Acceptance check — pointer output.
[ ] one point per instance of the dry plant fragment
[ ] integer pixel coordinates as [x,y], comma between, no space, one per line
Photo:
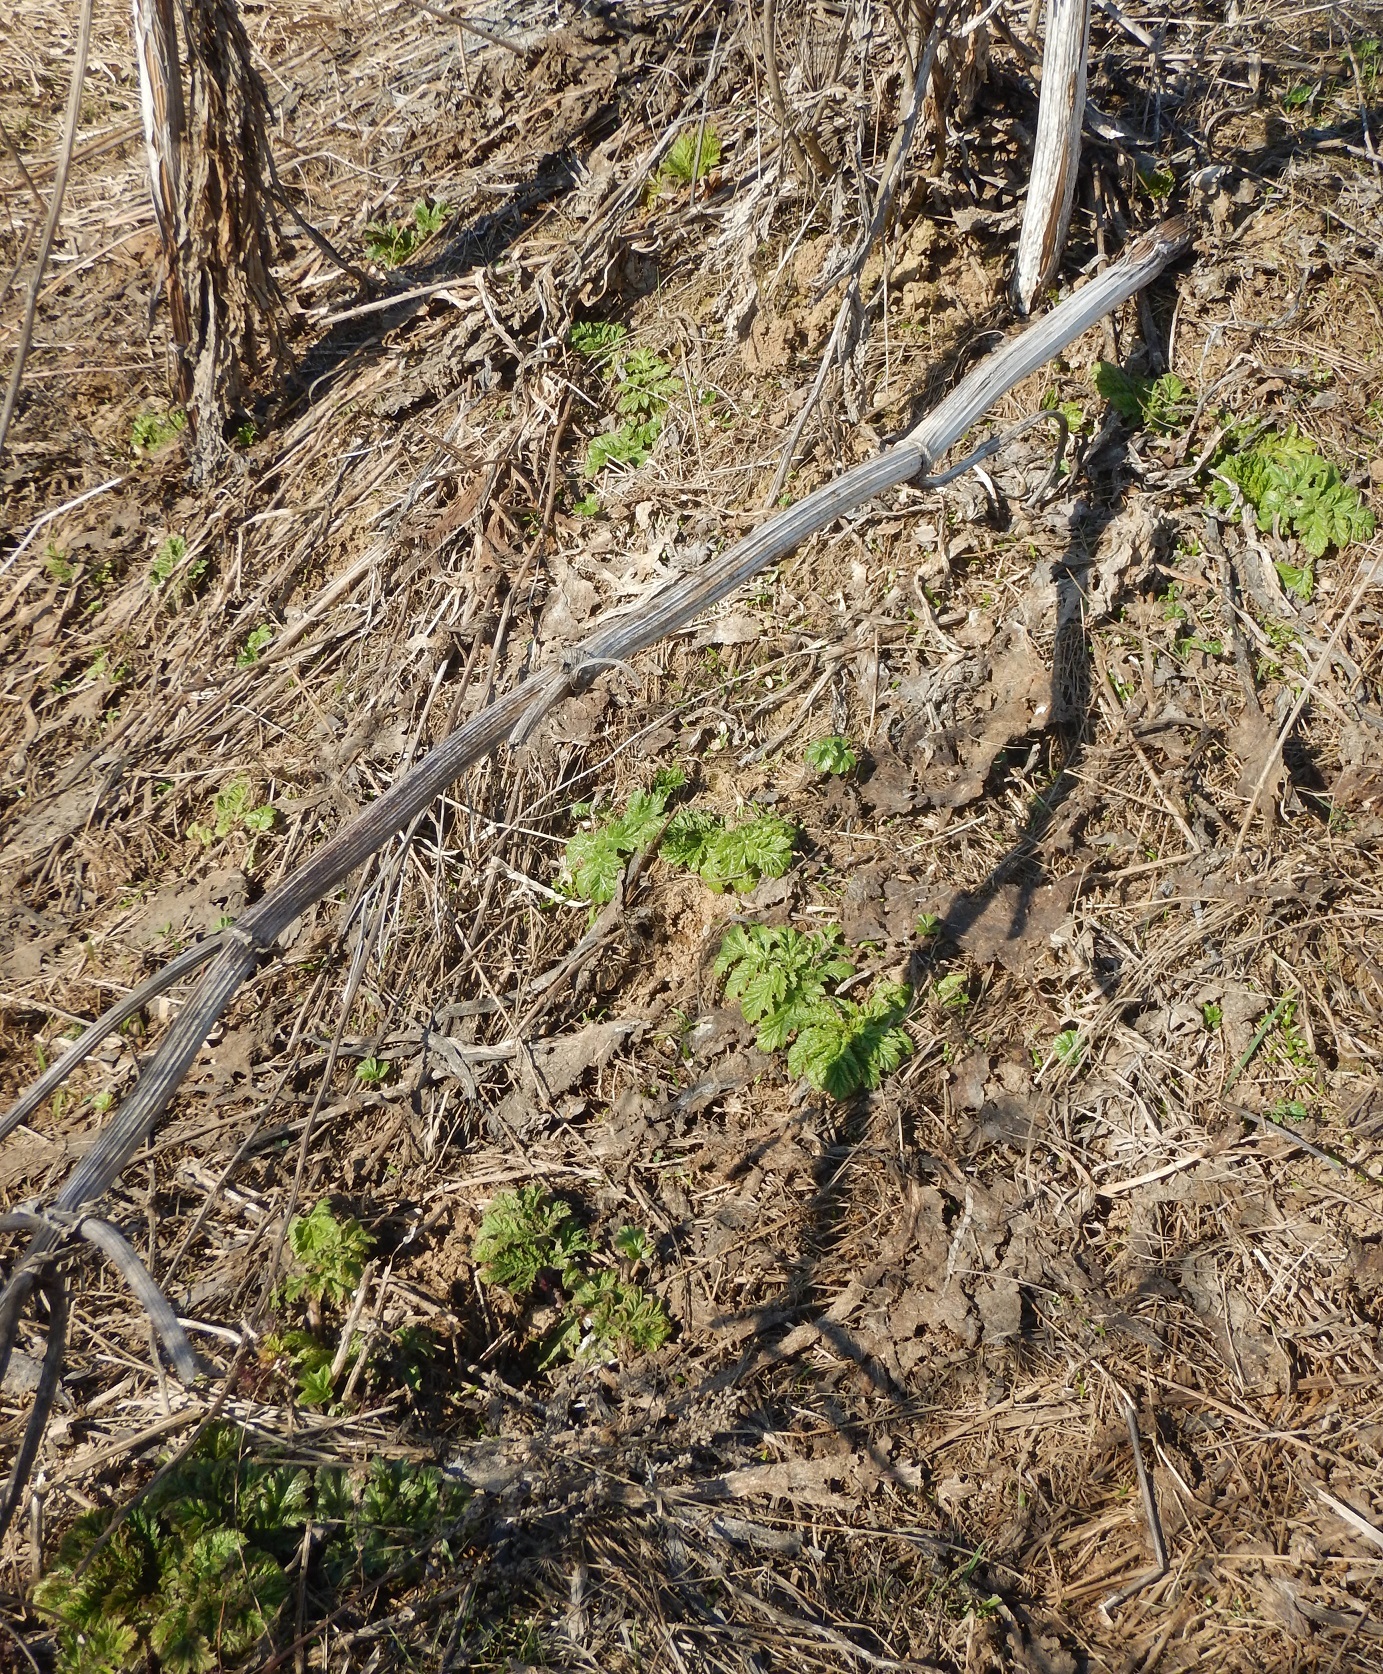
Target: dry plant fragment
[1056,151]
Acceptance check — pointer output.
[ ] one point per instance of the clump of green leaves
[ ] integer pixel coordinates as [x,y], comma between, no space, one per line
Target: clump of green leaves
[952,991]
[594,859]
[643,384]
[734,857]
[167,569]
[780,976]
[57,565]
[152,432]
[1293,489]
[851,1046]
[597,340]
[392,243]
[784,981]
[1160,404]
[525,1234]
[1071,411]
[724,856]
[256,641]
[329,1253]
[694,153]
[235,809]
[830,755]
[373,1071]
[630,445]
[196,1575]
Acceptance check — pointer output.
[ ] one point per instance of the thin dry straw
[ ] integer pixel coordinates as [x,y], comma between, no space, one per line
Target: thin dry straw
[514,713]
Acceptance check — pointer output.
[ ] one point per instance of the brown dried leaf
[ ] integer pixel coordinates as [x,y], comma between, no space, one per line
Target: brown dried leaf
[1014,926]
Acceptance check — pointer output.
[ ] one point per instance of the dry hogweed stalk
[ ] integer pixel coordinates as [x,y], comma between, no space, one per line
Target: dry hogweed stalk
[1056,152]
[227,309]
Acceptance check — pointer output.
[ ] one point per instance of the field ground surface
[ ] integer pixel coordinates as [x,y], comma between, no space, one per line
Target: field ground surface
[554,1310]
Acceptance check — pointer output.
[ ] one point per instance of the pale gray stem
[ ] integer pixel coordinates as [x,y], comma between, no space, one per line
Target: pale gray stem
[1056,152]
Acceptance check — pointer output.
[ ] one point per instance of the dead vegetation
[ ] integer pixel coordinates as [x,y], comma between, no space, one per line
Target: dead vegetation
[1114,817]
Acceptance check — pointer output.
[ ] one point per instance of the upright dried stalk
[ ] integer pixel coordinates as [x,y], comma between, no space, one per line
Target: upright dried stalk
[1056,154]
[234,306]
[209,176]
[161,105]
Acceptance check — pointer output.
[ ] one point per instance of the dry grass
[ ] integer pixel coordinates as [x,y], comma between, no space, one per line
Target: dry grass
[1142,1157]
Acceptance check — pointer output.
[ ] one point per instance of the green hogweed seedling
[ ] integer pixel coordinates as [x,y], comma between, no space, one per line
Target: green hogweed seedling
[783,980]
[1292,488]
[830,755]
[525,1234]
[330,1254]
[1161,404]
[688,158]
[780,976]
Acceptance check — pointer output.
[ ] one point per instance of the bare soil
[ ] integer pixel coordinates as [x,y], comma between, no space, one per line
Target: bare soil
[1121,1209]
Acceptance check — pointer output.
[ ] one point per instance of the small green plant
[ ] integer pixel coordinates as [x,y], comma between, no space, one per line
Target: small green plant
[597,340]
[56,565]
[1159,184]
[605,1314]
[255,643]
[629,445]
[588,505]
[691,155]
[928,925]
[329,1256]
[246,435]
[784,982]
[952,991]
[392,243]
[311,1361]
[196,1575]
[734,857]
[1297,98]
[169,555]
[235,809]
[852,1046]
[1160,404]
[1291,1042]
[1288,1110]
[644,386]
[594,859]
[1212,1015]
[1294,490]
[632,1244]
[168,561]
[1068,1048]
[780,976]
[152,432]
[373,1071]
[1071,411]
[525,1234]
[725,857]
[830,755]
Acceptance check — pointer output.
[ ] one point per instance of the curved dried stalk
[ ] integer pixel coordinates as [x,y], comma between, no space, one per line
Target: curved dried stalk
[54,1288]
[50,228]
[512,715]
[118,1250]
[1056,151]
